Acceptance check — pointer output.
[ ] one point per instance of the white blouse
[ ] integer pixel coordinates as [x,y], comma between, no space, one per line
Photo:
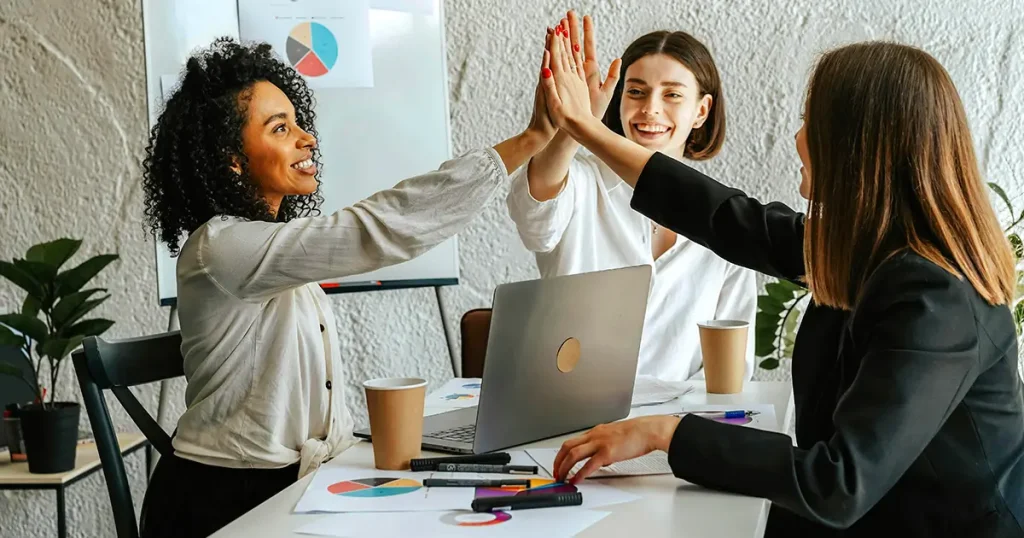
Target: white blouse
[590,226]
[262,357]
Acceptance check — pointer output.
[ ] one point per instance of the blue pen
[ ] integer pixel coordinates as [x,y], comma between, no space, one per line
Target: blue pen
[720,414]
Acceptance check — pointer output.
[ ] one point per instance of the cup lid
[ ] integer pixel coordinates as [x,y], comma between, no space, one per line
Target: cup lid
[395,383]
[724,324]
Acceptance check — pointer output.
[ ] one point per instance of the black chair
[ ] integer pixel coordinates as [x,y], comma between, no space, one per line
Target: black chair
[117,365]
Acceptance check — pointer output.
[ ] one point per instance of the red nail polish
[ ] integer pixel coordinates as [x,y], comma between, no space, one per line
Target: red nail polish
[576,47]
[546,73]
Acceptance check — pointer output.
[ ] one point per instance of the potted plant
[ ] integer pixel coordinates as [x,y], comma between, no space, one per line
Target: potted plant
[780,307]
[48,328]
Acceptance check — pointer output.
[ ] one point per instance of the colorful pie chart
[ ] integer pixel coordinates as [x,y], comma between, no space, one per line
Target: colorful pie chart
[374,487]
[312,49]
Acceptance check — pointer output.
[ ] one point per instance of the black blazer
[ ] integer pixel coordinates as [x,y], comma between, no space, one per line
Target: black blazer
[909,409]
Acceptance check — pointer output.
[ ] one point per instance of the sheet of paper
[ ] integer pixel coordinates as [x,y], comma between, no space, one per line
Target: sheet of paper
[547,522]
[326,41]
[419,7]
[763,420]
[649,390]
[456,394]
[654,463]
[352,488]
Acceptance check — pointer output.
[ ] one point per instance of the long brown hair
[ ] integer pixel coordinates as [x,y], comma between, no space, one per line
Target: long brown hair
[706,141]
[893,168]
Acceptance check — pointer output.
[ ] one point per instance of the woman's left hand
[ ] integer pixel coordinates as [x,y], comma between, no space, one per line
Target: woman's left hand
[610,443]
[541,126]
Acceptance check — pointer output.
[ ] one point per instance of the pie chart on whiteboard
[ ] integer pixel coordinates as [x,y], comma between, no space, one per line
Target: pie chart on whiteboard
[312,49]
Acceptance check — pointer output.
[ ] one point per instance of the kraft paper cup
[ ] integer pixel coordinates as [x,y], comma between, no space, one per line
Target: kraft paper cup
[395,406]
[723,346]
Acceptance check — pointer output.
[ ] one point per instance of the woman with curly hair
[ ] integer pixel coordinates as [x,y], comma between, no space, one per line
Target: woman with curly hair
[233,165]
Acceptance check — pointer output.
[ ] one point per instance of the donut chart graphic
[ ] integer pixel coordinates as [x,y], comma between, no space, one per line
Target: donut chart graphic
[312,49]
[486,519]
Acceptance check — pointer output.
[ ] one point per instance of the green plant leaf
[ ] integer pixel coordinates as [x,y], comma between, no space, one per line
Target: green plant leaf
[21,279]
[89,327]
[40,271]
[54,253]
[30,326]
[769,305]
[8,338]
[764,344]
[1017,244]
[58,348]
[780,292]
[1018,315]
[1002,194]
[70,304]
[769,364]
[83,310]
[791,286]
[73,280]
[789,327]
[31,306]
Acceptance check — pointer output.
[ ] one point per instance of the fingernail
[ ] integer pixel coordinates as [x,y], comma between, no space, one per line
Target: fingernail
[546,73]
[576,47]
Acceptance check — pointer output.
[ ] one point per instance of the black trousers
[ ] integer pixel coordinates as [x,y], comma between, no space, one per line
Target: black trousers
[186,498]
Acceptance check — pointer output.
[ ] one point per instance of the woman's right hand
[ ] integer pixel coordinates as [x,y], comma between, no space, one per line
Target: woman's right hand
[565,85]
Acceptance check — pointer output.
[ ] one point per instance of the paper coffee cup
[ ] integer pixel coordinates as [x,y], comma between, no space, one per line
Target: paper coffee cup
[723,346]
[395,406]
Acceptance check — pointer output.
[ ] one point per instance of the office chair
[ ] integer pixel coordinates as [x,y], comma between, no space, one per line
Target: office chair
[474,327]
[117,365]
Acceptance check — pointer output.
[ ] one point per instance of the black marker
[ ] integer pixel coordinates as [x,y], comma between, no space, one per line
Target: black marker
[489,504]
[430,464]
[472,483]
[485,468]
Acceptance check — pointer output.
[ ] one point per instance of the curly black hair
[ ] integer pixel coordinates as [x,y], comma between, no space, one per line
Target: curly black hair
[187,176]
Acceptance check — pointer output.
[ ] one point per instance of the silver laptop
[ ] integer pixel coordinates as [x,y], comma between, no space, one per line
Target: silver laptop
[561,357]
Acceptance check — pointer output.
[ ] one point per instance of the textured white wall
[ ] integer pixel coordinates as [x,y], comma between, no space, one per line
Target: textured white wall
[73,130]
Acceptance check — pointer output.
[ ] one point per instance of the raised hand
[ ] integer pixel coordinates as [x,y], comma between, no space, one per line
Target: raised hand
[566,91]
[541,124]
[600,90]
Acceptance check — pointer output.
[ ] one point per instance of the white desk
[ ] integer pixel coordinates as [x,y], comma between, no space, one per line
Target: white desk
[668,507]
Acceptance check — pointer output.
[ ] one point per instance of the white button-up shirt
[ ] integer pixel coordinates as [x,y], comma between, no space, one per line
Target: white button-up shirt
[590,226]
[262,357]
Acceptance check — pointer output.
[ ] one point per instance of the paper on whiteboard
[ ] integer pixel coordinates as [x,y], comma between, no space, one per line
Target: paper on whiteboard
[654,463]
[419,7]
[168,83]
[547,522]
[326,41]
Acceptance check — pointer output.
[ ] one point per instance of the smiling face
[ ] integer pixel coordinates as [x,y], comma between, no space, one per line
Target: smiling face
[278,151]
[661,104]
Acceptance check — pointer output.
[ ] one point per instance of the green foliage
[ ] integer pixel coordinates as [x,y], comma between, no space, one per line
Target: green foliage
[779,309]
[50,324]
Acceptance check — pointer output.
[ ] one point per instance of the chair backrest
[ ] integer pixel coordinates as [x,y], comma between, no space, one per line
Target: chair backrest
[117,365]
[475,327]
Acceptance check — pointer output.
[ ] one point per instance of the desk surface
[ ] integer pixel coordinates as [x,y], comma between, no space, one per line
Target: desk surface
[668,504]
[87,458]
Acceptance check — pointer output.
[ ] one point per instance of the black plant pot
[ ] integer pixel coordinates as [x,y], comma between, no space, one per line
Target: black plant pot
[51,436]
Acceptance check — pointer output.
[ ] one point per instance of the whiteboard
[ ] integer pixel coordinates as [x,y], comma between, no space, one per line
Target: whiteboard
[370,138]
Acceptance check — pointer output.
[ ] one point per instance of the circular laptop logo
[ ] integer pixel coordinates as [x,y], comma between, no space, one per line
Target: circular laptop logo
[568,355]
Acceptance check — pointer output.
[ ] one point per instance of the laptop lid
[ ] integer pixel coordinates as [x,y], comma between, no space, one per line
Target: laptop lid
[561,355]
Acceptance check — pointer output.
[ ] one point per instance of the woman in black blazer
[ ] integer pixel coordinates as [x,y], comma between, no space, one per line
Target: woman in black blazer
[909,404]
